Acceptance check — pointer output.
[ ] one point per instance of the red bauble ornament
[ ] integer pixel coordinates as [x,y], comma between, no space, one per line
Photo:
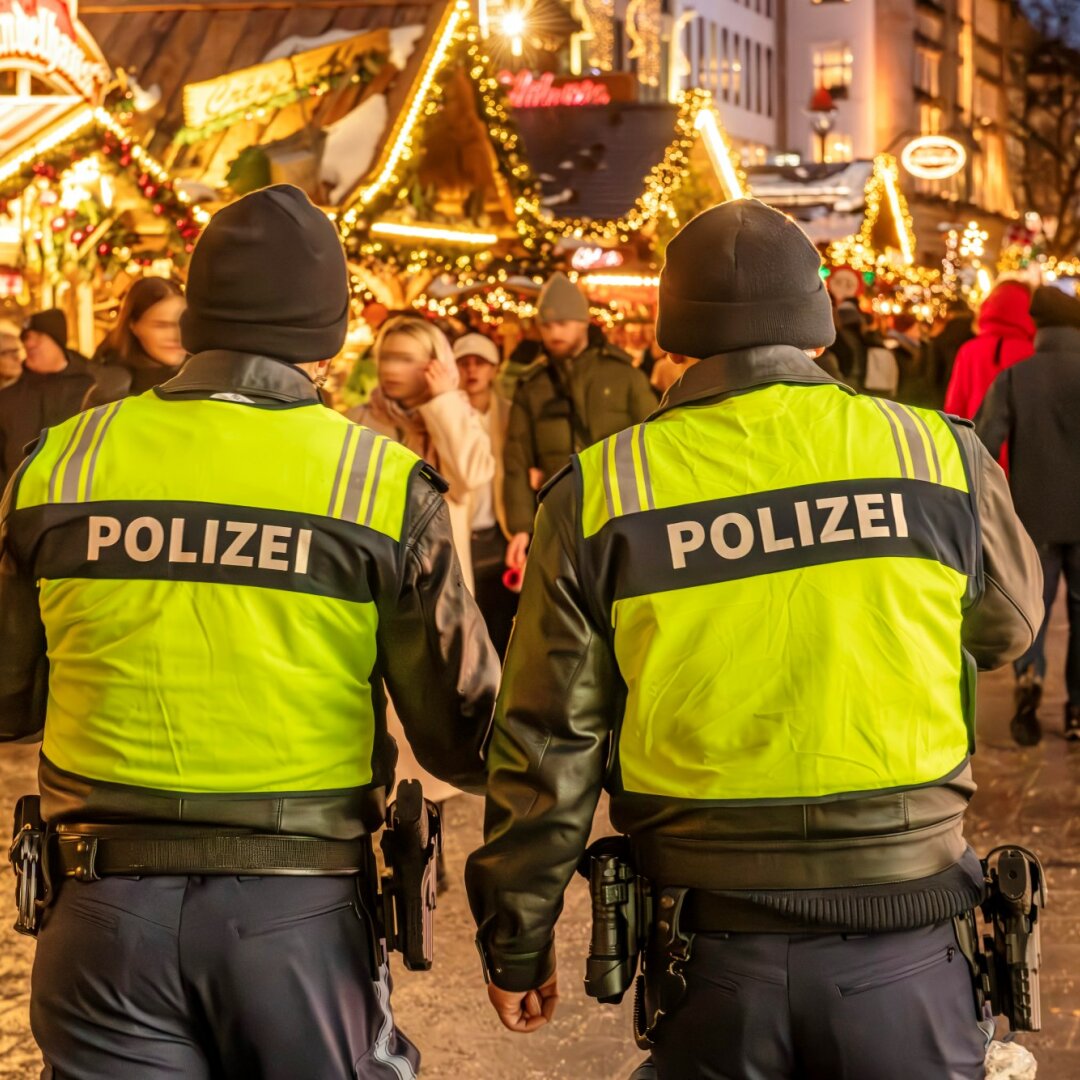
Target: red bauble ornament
[104,249]
[159,209]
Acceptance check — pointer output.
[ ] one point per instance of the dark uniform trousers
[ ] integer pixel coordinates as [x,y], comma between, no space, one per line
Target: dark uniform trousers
[896,1006]
[213,977]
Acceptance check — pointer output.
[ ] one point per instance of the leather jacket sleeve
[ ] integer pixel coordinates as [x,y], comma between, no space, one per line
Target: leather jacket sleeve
[546,763]
[439,664]
[1003,621]
[24,663]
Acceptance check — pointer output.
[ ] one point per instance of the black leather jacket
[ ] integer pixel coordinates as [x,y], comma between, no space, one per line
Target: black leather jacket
[434,654]
[871,863]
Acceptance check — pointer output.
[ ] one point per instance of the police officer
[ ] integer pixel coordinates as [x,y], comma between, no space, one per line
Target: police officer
[756,620]
[204,590]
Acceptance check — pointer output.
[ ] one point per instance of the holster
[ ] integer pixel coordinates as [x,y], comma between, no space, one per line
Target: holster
[661,987]
[29,856]
[411,843]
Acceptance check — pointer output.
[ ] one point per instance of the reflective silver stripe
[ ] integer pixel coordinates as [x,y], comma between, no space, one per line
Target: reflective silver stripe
[624,472]
[354,486]
[920,466]
[69,491]
[350,431]
[650,501]
[88,495]
[380,1048]
[55,475]
[605,451]
[895,436]
[933,446]
[375,481]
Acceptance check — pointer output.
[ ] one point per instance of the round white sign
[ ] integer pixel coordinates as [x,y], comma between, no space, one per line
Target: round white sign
[933,157]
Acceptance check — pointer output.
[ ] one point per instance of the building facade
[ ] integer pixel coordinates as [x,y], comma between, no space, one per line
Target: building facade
[897,69]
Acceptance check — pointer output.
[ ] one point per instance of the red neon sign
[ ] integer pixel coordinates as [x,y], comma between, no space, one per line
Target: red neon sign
[528,91]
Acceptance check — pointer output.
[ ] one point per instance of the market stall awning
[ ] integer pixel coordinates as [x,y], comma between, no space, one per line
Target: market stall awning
[169,44]
[24,121]
[592,161]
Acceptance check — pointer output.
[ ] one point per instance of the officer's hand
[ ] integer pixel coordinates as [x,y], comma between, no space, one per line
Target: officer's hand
[440,379]
[525,1012]
[516,551]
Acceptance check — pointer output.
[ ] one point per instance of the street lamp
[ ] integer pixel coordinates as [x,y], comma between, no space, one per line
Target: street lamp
[822,114]
[513,27]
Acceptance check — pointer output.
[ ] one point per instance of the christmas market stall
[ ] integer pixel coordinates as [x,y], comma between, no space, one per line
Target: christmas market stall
[83,205]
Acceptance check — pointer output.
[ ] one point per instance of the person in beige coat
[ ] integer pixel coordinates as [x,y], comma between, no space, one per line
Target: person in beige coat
[418,403]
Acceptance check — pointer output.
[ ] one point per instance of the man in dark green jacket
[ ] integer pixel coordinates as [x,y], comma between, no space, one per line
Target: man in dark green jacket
[573,396]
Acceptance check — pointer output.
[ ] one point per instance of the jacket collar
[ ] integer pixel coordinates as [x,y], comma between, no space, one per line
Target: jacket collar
[1057,339]
[260,378]
[747,369]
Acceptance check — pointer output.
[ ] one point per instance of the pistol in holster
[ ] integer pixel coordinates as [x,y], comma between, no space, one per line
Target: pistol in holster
[29,859]
[411,843]
[1005,958]
[632,928]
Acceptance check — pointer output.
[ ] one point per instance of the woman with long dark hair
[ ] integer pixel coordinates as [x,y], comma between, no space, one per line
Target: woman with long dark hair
[143,349]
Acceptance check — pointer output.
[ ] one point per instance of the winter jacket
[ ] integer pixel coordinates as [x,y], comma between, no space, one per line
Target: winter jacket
[561,700]
[457,446]
[1006,336]
[116,378]
[1034,407]
[36,402]
[562,408]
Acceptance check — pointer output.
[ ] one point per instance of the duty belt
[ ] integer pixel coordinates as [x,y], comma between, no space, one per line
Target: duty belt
[89,856]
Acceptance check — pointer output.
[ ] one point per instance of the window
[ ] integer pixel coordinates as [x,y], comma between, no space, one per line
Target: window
[833,69]
[736,70]
[748,78]
[760,103]
[725,66]
[986,104]
[769,82]
[832,1]
[928,71]
[929,120]
[714,58]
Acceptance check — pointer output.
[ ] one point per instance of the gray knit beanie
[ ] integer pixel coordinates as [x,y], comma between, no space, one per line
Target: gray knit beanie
[739,275]
[562,301]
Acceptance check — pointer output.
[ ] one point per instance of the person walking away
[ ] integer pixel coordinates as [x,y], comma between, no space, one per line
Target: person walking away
[1033,408]
[418,403]
[144,349]
[756,620]
[226,573]
[1006,336]
[957,331]
[52,386]
[478,363]
[916,385]
[574,395]
[850,346]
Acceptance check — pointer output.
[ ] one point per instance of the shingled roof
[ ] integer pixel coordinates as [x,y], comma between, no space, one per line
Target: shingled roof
[593,160]
[171,43]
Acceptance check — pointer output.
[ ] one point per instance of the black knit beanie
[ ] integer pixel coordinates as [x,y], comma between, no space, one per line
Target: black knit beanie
[52,323]
[1052,307]
[268,276]
[742,274]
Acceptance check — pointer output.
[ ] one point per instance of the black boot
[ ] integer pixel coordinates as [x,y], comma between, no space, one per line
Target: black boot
[1025,727]
[1072,723]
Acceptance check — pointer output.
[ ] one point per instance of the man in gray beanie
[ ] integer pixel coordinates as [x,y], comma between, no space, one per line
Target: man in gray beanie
[237,577]
[755,620]
[578,392]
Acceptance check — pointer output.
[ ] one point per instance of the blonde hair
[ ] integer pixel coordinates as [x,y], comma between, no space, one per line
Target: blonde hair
[419,329]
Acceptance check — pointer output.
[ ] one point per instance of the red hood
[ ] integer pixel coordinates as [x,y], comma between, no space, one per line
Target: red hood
[1006,312]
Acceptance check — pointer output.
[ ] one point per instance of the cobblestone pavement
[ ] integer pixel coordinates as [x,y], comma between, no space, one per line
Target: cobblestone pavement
[1028,796]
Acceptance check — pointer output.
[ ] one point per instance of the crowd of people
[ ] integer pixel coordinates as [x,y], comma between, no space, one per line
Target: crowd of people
[499,412]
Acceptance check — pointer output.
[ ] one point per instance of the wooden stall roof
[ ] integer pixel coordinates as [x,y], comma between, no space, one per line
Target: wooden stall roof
[170,43]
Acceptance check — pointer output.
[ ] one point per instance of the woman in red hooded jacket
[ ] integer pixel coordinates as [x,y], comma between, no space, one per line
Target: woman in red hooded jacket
[1006,336]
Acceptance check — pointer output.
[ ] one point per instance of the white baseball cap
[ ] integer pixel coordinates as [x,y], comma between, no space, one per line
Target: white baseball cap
[477,345]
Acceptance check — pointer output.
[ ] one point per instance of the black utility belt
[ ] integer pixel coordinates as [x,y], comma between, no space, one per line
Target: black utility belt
[91,855]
